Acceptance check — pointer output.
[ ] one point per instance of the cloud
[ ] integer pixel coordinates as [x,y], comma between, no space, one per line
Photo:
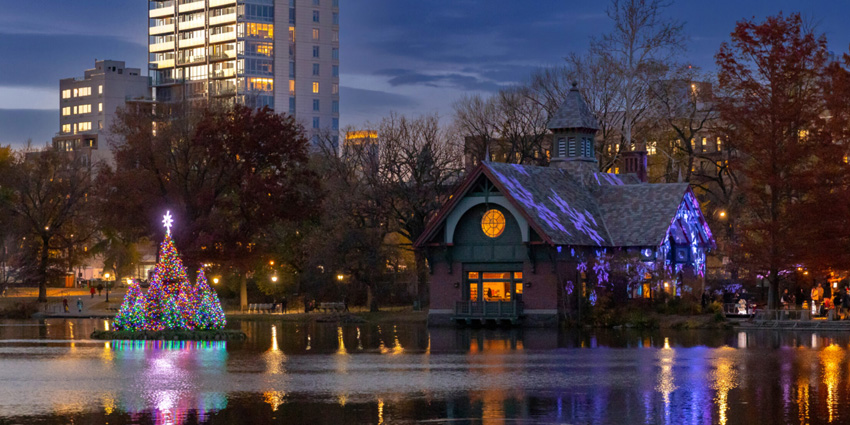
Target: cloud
[402,77]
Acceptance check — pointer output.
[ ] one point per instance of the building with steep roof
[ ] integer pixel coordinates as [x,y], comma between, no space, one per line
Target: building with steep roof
[527,244]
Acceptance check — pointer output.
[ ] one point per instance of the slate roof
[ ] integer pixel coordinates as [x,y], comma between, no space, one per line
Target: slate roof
[573,114]
[608,211]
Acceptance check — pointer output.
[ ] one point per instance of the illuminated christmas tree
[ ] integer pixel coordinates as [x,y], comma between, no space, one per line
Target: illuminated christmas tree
[209,314]
[131,315]
[172,302]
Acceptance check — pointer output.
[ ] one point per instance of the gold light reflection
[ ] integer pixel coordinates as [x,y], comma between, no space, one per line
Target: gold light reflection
[380,411]
[341,350]
[724,379]
[397,348]
[107,355]
[274,358]
[106,325]
[274,399]
[108,402]
[342,399]
[803,399]
[831,358]
[359,342]
[666,384]
[274,339]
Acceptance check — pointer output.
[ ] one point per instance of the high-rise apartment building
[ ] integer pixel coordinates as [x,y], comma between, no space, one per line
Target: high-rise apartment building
[87,105]
[280,53]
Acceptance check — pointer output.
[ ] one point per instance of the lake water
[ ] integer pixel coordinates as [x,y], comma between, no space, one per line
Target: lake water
[51,373]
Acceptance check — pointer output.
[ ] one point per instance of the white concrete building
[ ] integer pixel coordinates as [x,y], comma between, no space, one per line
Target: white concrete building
[87,106]
[278,53]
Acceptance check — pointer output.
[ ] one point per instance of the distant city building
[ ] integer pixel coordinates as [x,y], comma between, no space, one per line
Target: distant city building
[362,147]
[87,106]
[224,49]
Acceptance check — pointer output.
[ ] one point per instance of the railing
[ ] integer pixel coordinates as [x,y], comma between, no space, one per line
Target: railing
[782,315]
[488,309]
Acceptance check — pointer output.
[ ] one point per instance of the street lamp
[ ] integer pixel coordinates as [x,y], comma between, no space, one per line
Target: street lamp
[340,277]
[215,280]
[106,275]
[274,279]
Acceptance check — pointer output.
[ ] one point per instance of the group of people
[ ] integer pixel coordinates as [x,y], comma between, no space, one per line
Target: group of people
[821,305]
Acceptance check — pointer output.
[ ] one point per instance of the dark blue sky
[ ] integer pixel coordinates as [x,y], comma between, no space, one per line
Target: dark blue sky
[408,56]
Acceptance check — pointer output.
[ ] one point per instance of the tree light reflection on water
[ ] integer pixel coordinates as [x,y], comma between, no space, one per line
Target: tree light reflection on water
[331,374]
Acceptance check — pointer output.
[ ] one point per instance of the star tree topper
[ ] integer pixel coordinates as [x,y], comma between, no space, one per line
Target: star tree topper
[168,221]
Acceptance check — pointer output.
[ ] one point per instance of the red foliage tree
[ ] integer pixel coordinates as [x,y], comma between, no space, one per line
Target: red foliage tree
[775,79]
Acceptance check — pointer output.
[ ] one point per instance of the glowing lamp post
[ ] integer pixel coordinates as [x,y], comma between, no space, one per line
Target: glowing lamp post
[215,280]
[274,279]
[106,276]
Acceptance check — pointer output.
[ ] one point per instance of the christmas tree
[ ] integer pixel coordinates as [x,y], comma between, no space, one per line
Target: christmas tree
[209,313]
[172,302]
[131,315]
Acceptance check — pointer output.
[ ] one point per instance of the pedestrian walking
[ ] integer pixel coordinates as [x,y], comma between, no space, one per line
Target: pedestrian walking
[65,304]
[784,299]
[99,289]
[92,291]
[79,305]
[817,298]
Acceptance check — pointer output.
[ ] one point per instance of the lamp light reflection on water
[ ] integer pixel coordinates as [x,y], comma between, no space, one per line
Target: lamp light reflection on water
[666,384]
[724,379]
[831,358]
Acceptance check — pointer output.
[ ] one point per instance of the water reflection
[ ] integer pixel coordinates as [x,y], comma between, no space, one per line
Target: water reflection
[329,374]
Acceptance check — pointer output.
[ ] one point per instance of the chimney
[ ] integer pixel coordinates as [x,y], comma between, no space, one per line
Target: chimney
[634,162]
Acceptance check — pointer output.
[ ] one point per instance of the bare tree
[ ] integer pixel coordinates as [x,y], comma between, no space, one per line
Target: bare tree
[49,192]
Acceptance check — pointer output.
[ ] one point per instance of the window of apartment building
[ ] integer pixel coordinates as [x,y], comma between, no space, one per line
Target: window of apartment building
[100,124]
[74,110]
[335,106]
[260,84]
[85,91]
[719,144]
[291,15]
[291,69]
[100,89]
[335,3]
[316,105]
[85,109]
[336,18]
[335,54]
[292,87]
[291,35]
[334,88]
[66,111]
[315,122]
[253,11]
[315,87]
[652,148]
[315,2]
[66,94]
[335,69]
[315,34]
[315,16]
[249,48]
[315,51]
[76,92]
[335,123]
[256,66]
[250,29]
[85,126]
[291,106]
[704,143]
[315,69]
[66,128]
[335,36]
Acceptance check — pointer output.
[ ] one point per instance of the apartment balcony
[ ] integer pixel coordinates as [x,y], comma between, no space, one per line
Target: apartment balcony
[223,37]
[192,60]
[158,10]
[190,6]
[191,42]
[230,55]
[191,25]
[161,47]
[163,64]
[162,29]
[223,73]
[223,19]
[217,3]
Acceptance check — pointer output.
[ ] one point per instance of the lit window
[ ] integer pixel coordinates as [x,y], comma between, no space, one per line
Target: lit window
[99,107]
[66,94]
[66,128]
[99,125]
[315,34]
[85,126]
[493,223]
[76,92]
[334,88]
[100,89]
[66,111]
[719,144]
[652,148]
[75,110]
[315,87]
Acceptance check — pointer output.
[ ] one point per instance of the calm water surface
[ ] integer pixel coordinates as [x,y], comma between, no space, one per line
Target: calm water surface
[51,373]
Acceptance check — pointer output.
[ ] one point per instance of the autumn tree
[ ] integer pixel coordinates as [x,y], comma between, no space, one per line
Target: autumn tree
[772,76]
[227,173]
[47,193]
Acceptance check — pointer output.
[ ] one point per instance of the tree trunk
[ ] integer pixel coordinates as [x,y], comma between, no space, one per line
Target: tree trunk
[42,270]
[243,293]
[773,291]
[421,278]
[371,303]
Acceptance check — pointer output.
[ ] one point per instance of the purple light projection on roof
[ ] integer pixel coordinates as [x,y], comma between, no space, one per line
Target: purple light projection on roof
[523,196]
[582,221]
[520,169]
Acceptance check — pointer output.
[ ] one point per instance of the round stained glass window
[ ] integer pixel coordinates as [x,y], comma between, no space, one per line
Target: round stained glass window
[493,223]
